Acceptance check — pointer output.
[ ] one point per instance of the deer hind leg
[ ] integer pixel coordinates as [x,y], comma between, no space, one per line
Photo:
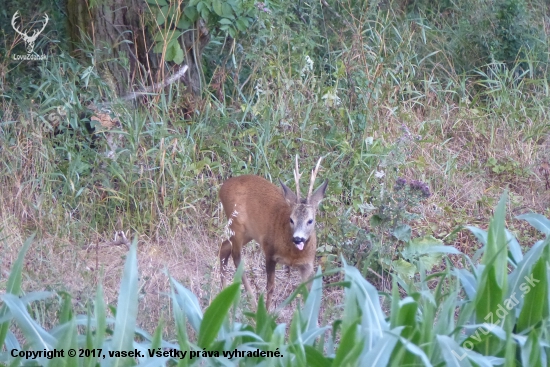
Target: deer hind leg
[236,254]
[233,247]
[225,252]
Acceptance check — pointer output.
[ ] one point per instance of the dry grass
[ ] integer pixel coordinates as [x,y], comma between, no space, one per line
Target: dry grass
[464,191]
[189,255]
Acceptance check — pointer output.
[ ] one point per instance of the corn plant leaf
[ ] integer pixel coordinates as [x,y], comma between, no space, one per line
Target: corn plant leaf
[297,346]
[468,282]
[216,313]
[373,322]
[535,293]
[100,317]
[453,354]
[493,283]
[382,351]
[523,271]
[14,285]
[188,303]
[538,221]
[181,331]
[314,358]
[531,352]
[66,340]
[35,335]
[479,233]
[350,348]
[310,312]
[514,249]
[127,308]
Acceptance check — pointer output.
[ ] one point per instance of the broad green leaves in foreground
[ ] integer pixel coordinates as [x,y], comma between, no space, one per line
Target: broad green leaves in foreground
[484,315]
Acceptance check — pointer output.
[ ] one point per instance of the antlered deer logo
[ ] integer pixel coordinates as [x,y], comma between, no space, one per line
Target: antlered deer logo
[29,40]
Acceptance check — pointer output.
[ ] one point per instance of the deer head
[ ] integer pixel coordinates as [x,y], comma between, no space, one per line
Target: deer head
[302,217]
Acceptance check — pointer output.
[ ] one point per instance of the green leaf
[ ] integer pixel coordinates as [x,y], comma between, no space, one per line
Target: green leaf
[523,270]
[531,352]
[181,330]
[127,307]
[314,358]
[227,11]
[66,308]
[379,355]
[178,56]
[188,303]
[162,15]
[453,354]
[297,346]
[493,282]
[191,13]
[225,21]
[157,2]
[480,234]
[183,24]
[402,233]
[538,221]
[36,337]
[535,292]
[67,340]
[403,268]
[310,312]
[204,12]
[157,337]
[364,295]
[217,6]
[264,321]
[216,313]
[350,348]
[14,284]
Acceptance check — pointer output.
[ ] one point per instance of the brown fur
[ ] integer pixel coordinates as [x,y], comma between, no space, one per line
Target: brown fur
[261,211]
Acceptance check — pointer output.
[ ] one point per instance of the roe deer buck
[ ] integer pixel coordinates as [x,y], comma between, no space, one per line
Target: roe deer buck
[281,222]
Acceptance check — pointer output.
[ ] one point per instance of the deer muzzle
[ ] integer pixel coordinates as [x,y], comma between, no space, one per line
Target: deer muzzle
[299,242]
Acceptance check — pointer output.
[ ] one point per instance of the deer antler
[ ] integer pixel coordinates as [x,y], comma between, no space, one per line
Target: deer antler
[297,176]
[313,175]
[13,19]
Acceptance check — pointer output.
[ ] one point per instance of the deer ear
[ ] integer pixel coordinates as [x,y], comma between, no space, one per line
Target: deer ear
[319,194]
[290,196]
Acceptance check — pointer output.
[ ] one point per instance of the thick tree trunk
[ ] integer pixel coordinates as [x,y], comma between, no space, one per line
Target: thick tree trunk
[117,30]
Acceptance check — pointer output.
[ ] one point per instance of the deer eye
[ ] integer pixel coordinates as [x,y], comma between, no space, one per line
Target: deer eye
[291,221]
[310,221]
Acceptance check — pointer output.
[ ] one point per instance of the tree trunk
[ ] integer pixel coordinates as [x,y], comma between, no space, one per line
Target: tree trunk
[119,35]
[193,43]
[117,31]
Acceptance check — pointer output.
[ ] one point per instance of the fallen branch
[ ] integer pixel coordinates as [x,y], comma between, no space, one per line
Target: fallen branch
[160,85]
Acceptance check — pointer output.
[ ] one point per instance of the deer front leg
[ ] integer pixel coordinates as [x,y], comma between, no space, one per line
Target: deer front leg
[270,270]
[306,271]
